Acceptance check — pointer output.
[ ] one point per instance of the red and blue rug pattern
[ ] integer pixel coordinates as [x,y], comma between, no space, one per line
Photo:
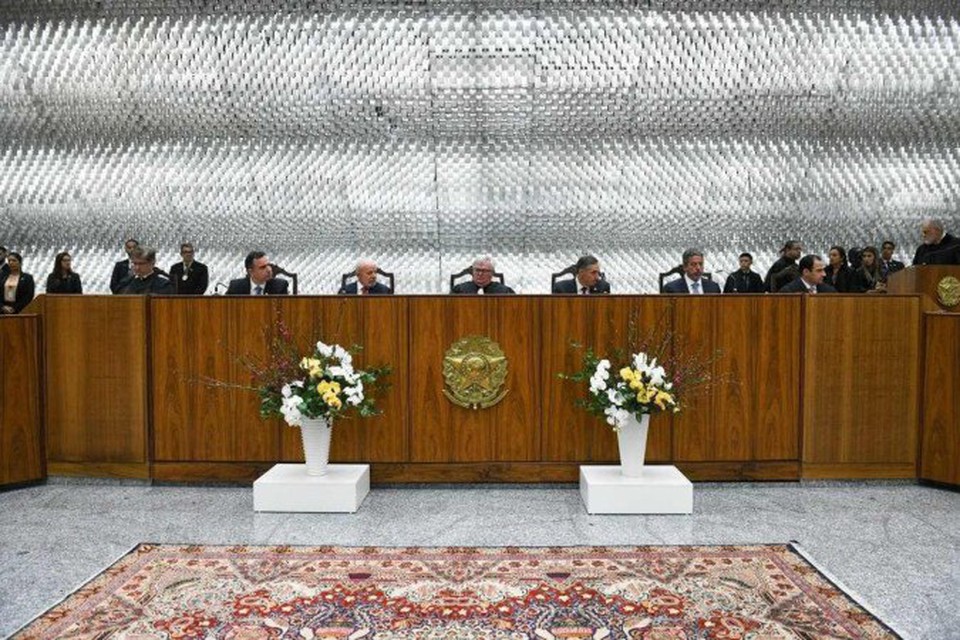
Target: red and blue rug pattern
[458,593]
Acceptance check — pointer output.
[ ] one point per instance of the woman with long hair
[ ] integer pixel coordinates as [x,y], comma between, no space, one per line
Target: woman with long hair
[63,279]
[839,273]
[17,287]
[868,277]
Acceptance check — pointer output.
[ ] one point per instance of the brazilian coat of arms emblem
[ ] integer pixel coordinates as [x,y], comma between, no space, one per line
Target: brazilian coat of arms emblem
[475,370]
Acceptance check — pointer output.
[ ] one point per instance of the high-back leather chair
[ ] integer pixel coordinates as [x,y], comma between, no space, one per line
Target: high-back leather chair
[497,275]
[280,271]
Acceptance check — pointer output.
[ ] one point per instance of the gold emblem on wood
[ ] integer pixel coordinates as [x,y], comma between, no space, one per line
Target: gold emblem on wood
[474,369]
[948,291]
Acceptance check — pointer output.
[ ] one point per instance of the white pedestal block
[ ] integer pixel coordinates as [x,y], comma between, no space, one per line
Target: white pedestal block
[287,487]
[661,489]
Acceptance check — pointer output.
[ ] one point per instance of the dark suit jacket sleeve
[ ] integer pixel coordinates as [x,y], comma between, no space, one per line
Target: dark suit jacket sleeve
[349,290]
[25,292]
[602,286]
[709,286]
[203,278]
[676,286]
[239,287]
[120,272]
[564,286]
[463,287]
[162,286]
[382,289]
[276,287]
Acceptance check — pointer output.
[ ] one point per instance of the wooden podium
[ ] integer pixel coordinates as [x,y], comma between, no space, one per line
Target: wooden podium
[925,280]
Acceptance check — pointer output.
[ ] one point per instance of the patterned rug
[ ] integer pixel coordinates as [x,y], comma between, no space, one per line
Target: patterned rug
[460,593]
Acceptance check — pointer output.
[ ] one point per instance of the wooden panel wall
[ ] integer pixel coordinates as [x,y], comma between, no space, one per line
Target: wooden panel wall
[21,449]
[861,386]
[940,453]
[838,375]
[97,419]
[751,410]
[198,340]
[444,432]
[602,323]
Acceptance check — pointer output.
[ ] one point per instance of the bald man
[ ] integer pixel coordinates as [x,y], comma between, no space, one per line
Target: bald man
[939,247]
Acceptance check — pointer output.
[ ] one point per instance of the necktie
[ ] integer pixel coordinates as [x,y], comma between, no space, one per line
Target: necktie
[695,287]
[365,290]
[583,291]
[258,290]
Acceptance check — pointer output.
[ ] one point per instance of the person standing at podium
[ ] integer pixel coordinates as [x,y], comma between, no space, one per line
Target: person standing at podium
[123,269]
[889,266]
[145,278]
[17,286]
[481,272]
[259,280]
[939,247]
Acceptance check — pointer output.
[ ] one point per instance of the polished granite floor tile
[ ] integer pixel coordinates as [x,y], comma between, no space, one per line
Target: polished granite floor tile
[896,546]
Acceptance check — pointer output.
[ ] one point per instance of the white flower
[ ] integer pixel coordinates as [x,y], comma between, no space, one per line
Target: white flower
[340,353]
[291,410]
[640,362]
[603,369]
[297,383]
[614,396]
[339,372]
[616,417]
[597,385]
[324,349]
[285,391]
[657,375]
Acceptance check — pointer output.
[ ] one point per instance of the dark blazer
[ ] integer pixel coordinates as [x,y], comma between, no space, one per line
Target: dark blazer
[946,252]
[25,290]
[155,283]
[573,286]
[887,269]
[494,288]
[197,279]
[378,289]
[273,287]
[70,284]
[740,282]
[863,281]
[798,286]
[680,286]
[781,272]
[121,271]
[844,281]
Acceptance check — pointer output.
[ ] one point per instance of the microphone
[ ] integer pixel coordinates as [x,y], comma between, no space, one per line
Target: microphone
[216,288]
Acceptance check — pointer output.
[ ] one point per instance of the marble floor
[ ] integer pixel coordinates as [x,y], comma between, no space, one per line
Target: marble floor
[895,546]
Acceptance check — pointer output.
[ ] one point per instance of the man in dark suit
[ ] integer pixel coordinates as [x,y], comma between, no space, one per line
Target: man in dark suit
[259,280]
[692,281]
[888,266]
[366,283]
[939,247]
[785,268]
[482,281]
[123,269]
[744,279]
[586,281]
[812,273]
[4,268]
[189,277]
[145,278]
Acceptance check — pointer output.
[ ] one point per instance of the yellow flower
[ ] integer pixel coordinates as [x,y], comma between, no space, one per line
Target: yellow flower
[335,386]
[636,385]
[333,401]
[663,398]
[324,387]
[627,374]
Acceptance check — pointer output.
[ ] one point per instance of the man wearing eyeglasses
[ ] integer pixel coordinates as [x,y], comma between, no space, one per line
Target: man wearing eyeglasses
[189,277]
[482,282]
[144,278]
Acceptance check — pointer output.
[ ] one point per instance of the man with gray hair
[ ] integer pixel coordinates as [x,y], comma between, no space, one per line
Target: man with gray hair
[366,283]
[482,281]
[145,278]
[938,246]
[692,281]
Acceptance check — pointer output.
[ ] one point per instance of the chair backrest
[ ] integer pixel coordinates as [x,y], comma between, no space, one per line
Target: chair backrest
[497,275]
[278,270]
[569,271]
[678,270]
[350,276]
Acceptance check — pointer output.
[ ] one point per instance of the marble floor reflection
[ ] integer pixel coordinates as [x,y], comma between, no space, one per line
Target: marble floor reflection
[895,546]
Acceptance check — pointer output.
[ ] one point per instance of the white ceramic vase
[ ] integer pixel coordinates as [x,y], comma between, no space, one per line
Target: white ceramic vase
[316,444]
[632,440]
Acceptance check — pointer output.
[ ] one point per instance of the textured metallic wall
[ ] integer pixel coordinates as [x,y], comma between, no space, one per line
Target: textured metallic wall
[422,134]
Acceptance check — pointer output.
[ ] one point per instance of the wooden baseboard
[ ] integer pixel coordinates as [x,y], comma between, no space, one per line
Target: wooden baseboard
[458,473]
[859,471]
[138,470]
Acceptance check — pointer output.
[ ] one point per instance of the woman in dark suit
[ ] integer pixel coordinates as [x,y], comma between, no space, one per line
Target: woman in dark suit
[839,273]
[18,286]
[63,279]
